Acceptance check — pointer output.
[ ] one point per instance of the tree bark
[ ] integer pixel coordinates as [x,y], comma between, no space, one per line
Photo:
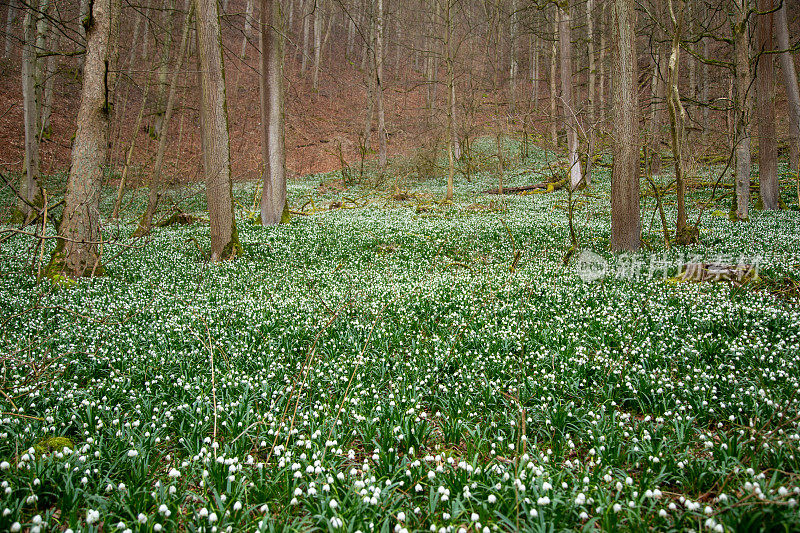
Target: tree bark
[274,209]
[677,118]
[382,156]
[54,45]
[30,188]
[451,96]
[11,17]
[224,237]
[625,221]
[146,223]
[765,86]
[163,69]
[305,50]
[590,104]
[741,139]
[513,64]
[601,90]
[790,85]
[570,113]
[77,251]
[553,83]
[431,66]
[318,23]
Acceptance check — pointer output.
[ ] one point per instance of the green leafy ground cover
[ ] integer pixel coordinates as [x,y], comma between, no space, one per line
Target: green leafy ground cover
[385,369]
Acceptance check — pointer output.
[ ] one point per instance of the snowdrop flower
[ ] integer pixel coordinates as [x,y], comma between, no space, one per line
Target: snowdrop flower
[92,516]
[132,453]
[212,518]
[174,473]
[492,498]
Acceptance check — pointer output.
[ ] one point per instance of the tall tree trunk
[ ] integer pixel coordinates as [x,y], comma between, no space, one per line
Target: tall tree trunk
[77,251]
[513,64]
[677,117]
[49,82]
[379,85]
[146,223]
[351,37]
[274,208]
[790,85]
[535,54]
[248,27]
[570,113]
[163,69]
[318,23]
[741,138]
[553,81]
[601,90]
[765,86]
[369,48]
[224,237]
[658,92]
[30,188]
[146,31]
[305,51]
[625,221]
[84,19]
[451,94]
[704,91]
[590,104]
[11,17]
[431,66]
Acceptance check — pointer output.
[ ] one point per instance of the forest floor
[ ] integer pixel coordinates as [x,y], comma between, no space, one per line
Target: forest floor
[387,362]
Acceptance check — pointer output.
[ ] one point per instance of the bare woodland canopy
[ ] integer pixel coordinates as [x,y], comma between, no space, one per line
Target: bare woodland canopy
[160,91]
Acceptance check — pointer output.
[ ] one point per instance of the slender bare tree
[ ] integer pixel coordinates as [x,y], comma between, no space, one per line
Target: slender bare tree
[789,84]
[741,108]
[625,218]
[570,113]
[217,159]
[146,222]
[379,52]
[765,87]
[11,17]
[684,234]
[274,207]
[30,188]
[77,251]
[451,97]
[590,104]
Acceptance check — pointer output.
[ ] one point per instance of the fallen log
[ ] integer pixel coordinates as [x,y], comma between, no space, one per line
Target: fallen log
[543,187]
[700,272]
